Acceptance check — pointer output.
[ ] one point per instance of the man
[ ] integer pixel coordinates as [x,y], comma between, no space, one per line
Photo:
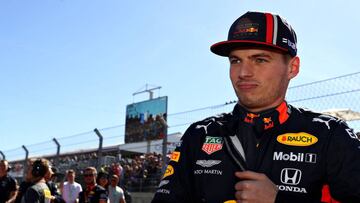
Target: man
[50,179]
[26,183]
[39,191]
[116,194]
[7,184]
[71,189]
[265,150]
[93,193]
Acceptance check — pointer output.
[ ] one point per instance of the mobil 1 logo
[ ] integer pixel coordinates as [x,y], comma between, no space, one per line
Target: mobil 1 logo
[295,157]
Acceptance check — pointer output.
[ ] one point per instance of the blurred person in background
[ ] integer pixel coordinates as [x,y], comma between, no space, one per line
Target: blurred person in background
[103,179]
[39,192]
[93,193]
[116,194]
[70,189]
[26,183]
[8,185]
[50,178]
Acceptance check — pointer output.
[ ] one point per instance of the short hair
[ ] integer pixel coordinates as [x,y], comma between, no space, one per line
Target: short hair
[3,161]
[70,171]
[40,167]
[92,169]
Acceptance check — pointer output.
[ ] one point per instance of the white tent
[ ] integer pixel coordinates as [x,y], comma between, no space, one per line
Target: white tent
[153,146]
[345,114]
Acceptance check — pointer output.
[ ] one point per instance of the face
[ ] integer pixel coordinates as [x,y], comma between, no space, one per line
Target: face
[114,181]
[103,181]
[89,177]
[70,177]
[3,168]
[260,77]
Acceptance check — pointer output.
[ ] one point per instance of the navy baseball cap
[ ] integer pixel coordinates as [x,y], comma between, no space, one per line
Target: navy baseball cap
[257,29]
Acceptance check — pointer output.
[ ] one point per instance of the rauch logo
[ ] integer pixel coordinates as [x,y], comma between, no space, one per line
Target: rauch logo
[297,139]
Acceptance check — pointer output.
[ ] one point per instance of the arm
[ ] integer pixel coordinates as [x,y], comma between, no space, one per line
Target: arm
[13,193]
[175,185]
[12,196]
[343,164]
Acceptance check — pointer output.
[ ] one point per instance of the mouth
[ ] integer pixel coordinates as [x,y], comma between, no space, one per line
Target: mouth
[246,85]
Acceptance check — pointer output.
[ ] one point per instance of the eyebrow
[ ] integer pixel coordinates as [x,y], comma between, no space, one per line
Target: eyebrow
[252,56]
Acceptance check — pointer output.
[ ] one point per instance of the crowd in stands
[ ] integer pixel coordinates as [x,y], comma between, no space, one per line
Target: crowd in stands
[145,127]
[138,173]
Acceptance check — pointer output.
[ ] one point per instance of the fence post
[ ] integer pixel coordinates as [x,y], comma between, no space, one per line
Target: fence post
[56,161]
[3,155]
[100,147]
[26,160]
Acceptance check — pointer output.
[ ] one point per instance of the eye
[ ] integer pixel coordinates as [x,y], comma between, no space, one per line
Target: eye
[234,60]
[260,60]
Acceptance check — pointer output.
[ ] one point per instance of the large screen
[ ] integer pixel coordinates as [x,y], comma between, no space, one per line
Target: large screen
[146,120]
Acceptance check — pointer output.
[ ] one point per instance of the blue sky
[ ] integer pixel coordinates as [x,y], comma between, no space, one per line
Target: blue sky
[69,66]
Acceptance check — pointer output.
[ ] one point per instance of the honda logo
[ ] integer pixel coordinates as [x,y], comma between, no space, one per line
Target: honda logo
[290,176]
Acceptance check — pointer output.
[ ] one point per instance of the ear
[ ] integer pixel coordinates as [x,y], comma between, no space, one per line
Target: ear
[293,67]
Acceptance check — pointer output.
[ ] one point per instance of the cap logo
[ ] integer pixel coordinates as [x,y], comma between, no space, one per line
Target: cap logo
[289,43]
[245,27]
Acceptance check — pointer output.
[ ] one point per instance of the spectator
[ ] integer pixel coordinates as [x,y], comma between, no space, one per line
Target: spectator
[93,193]
[7,184]
[39,192]
[24,185]
[116,194]
[71,189]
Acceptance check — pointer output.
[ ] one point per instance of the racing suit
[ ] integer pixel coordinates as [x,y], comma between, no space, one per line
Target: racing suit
[298,150]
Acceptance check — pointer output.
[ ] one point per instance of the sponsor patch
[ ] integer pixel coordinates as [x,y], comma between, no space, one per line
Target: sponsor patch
[169,171]
[207,163]
[163,191]
[291,177]
[208,172]
[212,144]
[301,139]
[47,193]
[175,156]
[295,157]
[163,182]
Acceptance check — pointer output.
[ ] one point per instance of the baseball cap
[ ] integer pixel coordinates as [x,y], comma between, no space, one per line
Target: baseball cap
[258,29]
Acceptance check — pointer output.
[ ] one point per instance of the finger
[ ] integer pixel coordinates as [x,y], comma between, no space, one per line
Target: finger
[243,185]
[240,195]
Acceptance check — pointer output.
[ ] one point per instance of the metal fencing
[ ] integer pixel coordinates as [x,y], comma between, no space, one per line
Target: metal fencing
[342,92]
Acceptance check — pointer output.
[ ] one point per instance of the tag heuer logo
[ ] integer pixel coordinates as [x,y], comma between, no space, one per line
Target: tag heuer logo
[212,144]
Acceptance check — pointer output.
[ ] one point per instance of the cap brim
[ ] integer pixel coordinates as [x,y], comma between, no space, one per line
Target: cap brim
[225,47]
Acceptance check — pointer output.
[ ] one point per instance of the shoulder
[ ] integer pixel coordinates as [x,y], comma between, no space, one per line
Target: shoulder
[119,189]
[99,188]
[77,184]
[10,179]
[324,123]
[211,123]
[317,118]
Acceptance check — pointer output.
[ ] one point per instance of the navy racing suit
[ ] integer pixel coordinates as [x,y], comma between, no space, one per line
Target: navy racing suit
[298,150]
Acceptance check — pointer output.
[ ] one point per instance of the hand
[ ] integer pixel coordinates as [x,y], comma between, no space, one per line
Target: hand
[254,188]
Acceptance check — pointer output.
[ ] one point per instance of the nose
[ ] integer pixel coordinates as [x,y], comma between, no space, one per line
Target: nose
[245,70]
